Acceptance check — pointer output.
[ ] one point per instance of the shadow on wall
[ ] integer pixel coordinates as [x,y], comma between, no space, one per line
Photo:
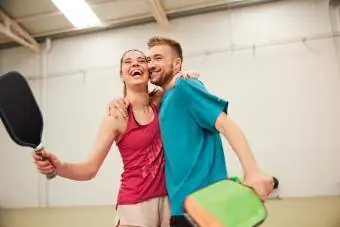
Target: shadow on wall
[2,218]
[334,13]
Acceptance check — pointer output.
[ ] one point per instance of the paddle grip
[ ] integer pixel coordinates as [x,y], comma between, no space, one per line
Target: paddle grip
[276,183]
[39,151]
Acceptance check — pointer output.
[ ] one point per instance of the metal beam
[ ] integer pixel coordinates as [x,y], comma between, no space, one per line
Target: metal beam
[14,31]
[158,13]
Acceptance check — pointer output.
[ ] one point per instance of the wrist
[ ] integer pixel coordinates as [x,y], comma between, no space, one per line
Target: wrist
[251,169]
[62,169]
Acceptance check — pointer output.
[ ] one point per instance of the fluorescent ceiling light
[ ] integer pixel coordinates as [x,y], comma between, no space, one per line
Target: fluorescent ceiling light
[78,12]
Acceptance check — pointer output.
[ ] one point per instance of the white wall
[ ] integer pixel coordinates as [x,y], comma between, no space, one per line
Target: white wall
[19,182]
[284,93]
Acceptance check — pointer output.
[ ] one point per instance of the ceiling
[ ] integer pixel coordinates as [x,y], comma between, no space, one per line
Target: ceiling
[27,22]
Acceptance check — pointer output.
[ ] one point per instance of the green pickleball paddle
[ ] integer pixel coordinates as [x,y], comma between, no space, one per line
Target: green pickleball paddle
[227,203]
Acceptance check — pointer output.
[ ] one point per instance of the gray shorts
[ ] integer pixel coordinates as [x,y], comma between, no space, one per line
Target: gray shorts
[151,213]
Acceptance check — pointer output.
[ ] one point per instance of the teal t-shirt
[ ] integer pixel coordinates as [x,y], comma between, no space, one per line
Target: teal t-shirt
[194,156]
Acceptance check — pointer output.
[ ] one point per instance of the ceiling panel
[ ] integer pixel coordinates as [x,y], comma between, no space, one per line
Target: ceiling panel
[171,5]
[49,24]
[93,2]
[112,10]
[27,8]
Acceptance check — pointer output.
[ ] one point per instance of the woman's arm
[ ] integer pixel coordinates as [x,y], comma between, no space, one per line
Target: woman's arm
[109,131]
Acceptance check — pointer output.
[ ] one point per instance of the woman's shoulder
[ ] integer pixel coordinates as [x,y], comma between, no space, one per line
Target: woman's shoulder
[155,97]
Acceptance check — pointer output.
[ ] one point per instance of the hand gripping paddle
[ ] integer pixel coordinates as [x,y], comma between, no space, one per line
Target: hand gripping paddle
[20,113]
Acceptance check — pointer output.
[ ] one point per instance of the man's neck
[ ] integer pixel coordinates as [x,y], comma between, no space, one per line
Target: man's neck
[171,82]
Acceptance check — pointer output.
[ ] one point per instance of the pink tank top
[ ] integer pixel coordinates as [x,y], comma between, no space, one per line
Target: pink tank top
[141,150]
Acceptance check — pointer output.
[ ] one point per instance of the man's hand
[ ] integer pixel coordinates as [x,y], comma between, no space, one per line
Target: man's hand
[189,74]
[117,108]
[262,184]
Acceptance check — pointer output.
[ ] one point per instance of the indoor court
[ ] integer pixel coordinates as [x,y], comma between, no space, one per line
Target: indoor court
[276,62]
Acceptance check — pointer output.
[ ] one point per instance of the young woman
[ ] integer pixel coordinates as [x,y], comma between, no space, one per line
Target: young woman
[142,199]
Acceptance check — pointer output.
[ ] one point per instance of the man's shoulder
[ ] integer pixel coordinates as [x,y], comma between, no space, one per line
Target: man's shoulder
[188,83]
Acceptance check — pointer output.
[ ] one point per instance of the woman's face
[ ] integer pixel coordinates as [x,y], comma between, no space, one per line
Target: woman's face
[134,69]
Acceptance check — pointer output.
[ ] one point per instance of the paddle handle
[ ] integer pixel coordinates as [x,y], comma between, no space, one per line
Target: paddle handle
[276,183]
[38,150]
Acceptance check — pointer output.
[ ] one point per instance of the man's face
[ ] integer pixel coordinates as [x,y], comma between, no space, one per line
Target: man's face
[163,65]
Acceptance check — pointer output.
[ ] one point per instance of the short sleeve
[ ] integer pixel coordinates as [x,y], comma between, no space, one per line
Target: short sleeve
[204,106]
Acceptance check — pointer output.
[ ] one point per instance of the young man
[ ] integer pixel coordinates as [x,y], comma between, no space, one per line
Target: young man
[191,121]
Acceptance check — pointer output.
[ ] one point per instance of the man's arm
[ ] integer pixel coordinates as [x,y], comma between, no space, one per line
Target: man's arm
[260,182]
[210,112]
[237,141]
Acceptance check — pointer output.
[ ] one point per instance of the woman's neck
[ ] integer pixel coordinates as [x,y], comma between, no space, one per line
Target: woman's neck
[138,100]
